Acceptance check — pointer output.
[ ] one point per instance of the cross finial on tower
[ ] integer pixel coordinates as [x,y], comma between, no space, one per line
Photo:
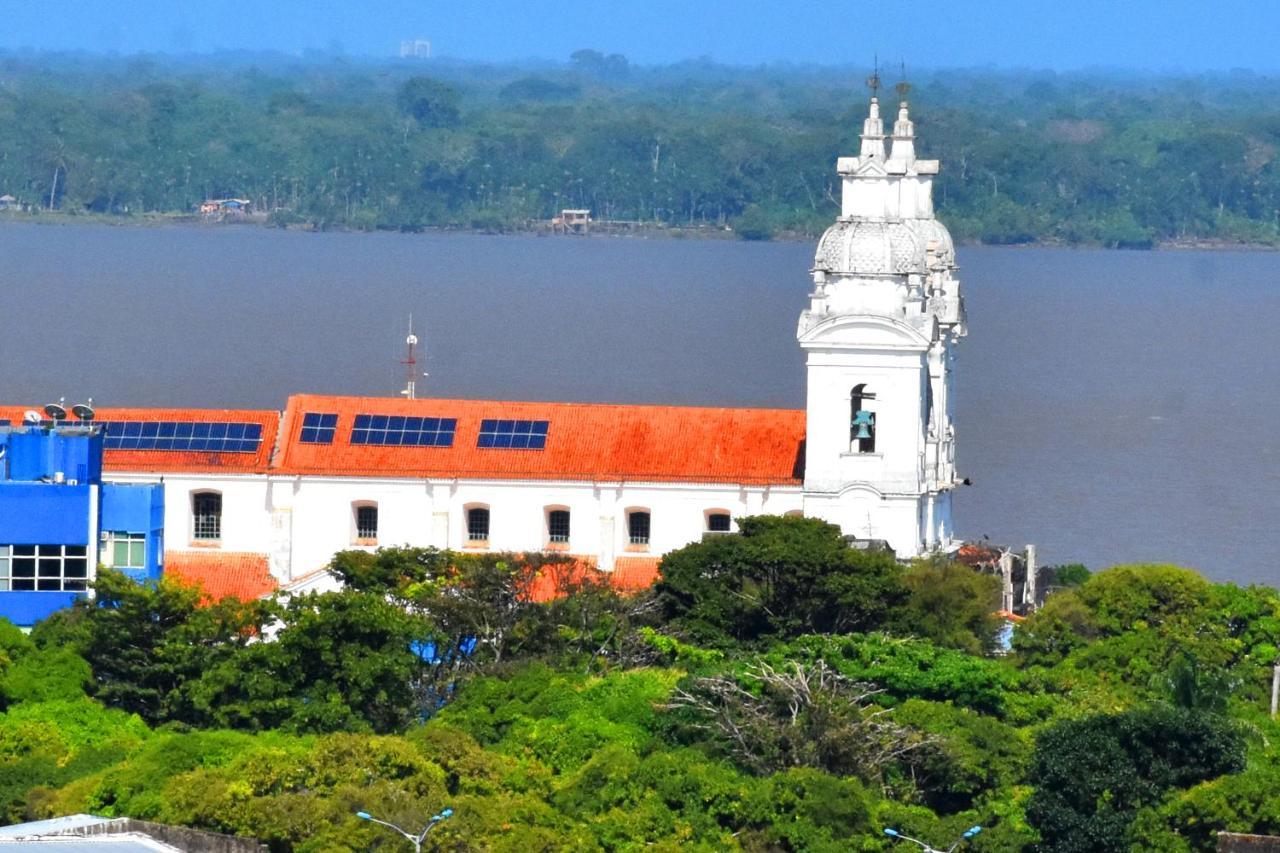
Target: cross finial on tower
[903,88]
[873,81]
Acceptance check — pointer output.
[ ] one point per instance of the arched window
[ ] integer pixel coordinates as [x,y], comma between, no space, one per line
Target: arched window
[366,521]
[478,524]
[862,420]
[638,527]
[206,516]
[718,521]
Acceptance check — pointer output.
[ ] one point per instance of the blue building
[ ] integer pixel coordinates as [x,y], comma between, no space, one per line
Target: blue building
[59,521]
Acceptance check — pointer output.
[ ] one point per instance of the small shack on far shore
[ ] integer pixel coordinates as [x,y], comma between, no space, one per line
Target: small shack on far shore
[572,221]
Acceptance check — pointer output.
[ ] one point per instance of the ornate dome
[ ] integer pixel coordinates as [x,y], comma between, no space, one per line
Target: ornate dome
[933,231]
[876,247]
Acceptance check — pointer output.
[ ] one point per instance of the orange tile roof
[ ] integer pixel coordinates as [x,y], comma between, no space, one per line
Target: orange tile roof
[221,574]
[630,574]
[585,441]
[182,461]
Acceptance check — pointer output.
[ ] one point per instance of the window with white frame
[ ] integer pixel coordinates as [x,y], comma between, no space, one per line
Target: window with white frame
[638,527]
[367,521]
[206,516]
[124,550]
[558,525]
[44,568]
[478,524]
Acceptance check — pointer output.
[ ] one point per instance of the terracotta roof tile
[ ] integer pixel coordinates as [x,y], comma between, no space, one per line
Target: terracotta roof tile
[585,441]
[221,574]
[182,461]
[630,574]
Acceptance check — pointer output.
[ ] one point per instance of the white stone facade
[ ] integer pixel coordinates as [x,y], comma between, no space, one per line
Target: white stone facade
[879,337]
[301,521]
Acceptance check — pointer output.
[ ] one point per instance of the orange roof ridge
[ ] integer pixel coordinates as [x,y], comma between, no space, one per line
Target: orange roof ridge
[417,401]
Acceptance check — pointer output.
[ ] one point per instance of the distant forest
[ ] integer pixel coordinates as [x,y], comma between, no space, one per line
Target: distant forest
[332,142]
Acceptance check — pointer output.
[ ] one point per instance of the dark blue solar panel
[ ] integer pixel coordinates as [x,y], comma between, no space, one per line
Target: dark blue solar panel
[403,431]
[317,428]
[181,435]
[520,435]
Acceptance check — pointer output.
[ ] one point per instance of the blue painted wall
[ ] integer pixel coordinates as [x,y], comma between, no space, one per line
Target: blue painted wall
[137,509]
[35,453]
[24,609]
[44,514]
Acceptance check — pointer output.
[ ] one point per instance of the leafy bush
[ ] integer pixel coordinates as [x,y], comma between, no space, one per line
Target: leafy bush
[915,669]
[1247,802]
[1092,775]
[950,604]
[968,755]
[45,675]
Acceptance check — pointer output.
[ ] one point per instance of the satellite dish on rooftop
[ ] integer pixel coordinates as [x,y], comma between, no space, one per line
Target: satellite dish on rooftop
[55,412]
[83,411]
[31,417]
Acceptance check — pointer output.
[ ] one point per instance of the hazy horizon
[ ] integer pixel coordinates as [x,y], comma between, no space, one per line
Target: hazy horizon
[1142,36]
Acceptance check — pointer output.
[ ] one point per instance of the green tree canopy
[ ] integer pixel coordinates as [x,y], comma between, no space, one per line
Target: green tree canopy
[1092,775]
[430,102]
[779,577]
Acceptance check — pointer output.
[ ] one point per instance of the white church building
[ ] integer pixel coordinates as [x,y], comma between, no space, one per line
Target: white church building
[620,485]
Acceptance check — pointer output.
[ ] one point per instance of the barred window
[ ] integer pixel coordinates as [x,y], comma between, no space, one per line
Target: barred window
[367,521]
[719,522]
[206,514]
[478,524]
[558,525]
[44,568]
[638,527]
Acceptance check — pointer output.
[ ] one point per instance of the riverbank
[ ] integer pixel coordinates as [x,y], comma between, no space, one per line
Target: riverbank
[634,230]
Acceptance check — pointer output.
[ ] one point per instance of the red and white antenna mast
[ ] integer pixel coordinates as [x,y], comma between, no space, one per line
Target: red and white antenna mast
[410,364]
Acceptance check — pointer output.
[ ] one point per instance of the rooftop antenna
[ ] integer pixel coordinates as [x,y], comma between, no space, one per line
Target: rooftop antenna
[410,364]
[83,411]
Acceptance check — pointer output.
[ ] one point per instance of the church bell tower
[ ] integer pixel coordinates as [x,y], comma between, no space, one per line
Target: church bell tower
[879,337]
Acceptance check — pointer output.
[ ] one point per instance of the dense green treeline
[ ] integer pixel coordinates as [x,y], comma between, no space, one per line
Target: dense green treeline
[1027,157]
[777,691]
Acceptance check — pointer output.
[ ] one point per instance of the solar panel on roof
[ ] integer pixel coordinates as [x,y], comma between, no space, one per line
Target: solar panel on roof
[521,435]
[219,437]
[318,428]
[403,431]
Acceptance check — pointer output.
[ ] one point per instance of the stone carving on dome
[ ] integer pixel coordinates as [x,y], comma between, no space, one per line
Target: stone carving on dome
[873,247]
[906,248]
[868,249]
[830,254]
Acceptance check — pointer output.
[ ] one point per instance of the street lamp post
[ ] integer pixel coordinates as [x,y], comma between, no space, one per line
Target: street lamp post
[968,833]
[415,840]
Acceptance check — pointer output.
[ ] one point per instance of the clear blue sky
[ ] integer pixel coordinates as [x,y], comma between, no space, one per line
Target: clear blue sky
[1161,35]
